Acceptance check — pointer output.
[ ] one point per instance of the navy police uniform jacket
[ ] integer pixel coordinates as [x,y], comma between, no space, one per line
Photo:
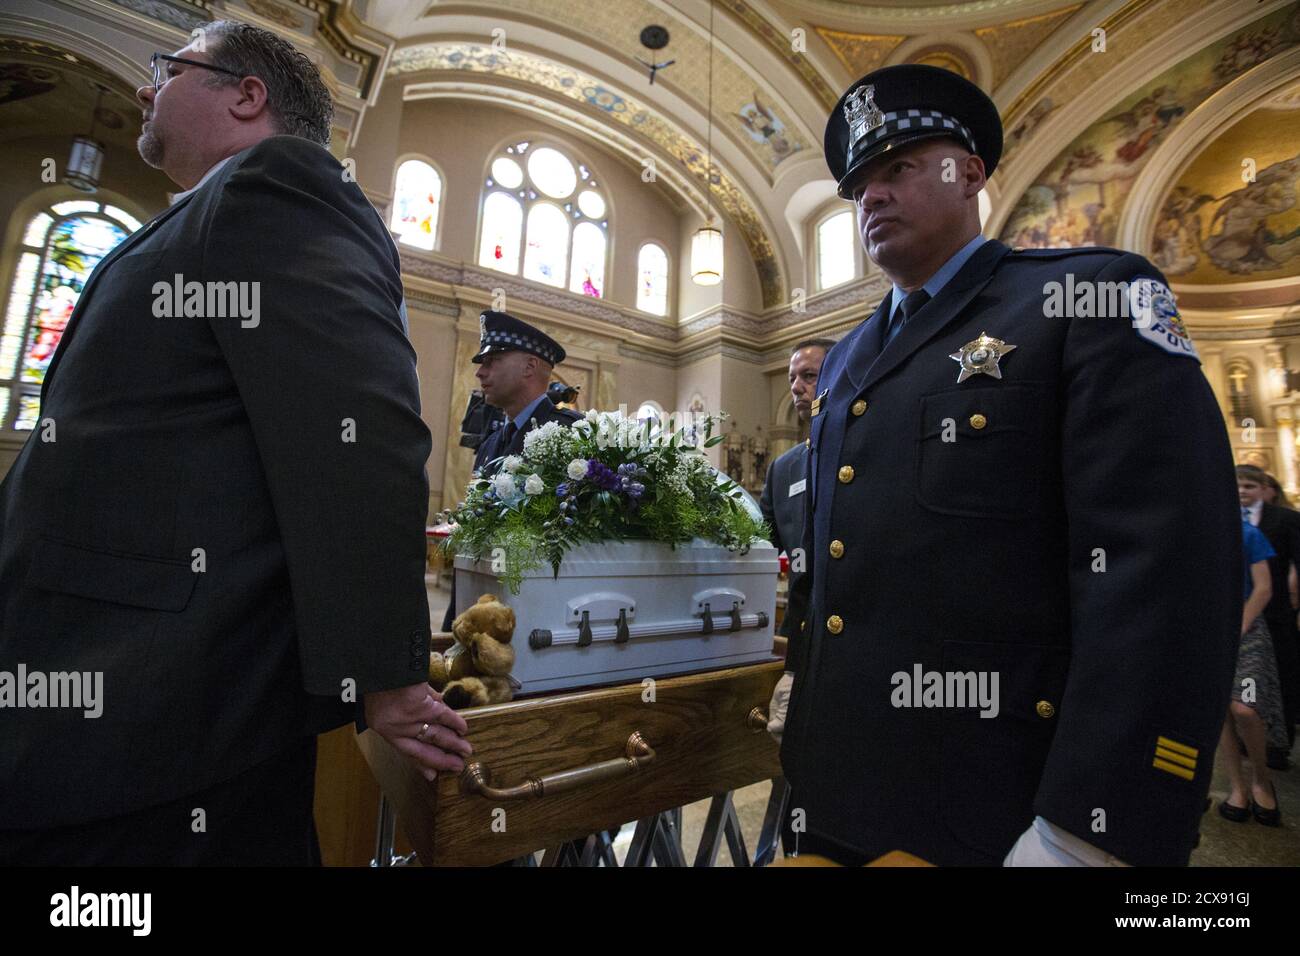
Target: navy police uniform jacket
[1071,528]
[492,448]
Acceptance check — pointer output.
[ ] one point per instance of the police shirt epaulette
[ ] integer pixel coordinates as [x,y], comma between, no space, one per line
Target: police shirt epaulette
[1064,253]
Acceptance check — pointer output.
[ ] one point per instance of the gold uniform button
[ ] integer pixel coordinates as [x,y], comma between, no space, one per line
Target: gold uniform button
[1045,709]
[837,548]
[978,421]
[858,407]
[834,624]
[846,474]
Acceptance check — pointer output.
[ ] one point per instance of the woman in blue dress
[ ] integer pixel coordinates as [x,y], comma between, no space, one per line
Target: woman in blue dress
[1255,713]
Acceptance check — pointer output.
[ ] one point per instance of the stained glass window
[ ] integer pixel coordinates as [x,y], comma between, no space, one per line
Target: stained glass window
[533,220]
[835,249]
[587,274]
[503,227]
[61,247]
[547,245]
[415,204]
[652,279]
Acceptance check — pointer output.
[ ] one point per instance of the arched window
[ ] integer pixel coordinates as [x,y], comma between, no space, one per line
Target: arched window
[835,249]
[546,212]
[652,279]
[416,198]
[59,249]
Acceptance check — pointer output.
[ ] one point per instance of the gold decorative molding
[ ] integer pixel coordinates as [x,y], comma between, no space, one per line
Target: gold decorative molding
[1011,43]
[859,52]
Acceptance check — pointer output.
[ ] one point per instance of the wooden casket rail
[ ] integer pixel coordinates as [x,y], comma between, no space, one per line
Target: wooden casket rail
[560,767]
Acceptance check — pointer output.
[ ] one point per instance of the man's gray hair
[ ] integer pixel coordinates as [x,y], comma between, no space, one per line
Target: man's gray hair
[295,94]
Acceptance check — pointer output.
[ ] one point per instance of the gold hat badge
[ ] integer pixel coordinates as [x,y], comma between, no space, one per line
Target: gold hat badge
[980,357]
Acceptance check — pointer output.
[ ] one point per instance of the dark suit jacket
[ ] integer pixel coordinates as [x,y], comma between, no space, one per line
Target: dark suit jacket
[487,457]
[784,512]
[1282,528]
[203,530]
[980,555]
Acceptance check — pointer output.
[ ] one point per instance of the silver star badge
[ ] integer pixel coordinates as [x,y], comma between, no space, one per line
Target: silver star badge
[980,356]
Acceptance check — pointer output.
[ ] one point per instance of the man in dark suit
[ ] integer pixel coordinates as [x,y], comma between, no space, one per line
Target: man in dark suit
[225,523]
[1024,549]
[515,362]
[1282,528]
[783,509]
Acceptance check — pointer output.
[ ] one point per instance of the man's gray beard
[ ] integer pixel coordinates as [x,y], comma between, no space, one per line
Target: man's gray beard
[150,148]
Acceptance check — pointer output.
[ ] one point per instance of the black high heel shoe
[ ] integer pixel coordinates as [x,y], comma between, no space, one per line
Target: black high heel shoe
[1269,818]
[1234,813]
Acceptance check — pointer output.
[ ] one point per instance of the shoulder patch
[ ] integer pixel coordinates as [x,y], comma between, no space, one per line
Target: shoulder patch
[1155,316]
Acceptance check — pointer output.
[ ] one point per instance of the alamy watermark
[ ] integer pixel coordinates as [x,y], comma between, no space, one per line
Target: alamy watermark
[208,300]
[78,690]
[950,689]
[1142,301]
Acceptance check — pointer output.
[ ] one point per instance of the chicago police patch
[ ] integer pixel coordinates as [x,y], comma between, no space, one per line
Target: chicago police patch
[1155,316]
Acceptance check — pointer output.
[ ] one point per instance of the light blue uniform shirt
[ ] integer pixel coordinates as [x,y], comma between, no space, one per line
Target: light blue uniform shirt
[941,278]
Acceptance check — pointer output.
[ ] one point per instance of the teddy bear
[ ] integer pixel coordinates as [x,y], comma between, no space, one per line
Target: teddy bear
[475,669]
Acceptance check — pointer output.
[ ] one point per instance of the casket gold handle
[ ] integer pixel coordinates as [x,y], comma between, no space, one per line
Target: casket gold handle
[757,720]
[477,778]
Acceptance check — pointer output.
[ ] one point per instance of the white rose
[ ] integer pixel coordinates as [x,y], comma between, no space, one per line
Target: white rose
[504,486]
[512,463]
[577,469]
[534,485]
[592,415]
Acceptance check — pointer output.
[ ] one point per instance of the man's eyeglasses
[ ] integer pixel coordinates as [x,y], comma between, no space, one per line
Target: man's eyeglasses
[156,64]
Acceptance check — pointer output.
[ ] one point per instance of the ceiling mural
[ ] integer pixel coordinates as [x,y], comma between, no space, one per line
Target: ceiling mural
[1010,44]
[628,112]
[1077,200]
[1228,222]
[733,86]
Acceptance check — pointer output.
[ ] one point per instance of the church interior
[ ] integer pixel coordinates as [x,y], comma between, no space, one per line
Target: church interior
[550,158]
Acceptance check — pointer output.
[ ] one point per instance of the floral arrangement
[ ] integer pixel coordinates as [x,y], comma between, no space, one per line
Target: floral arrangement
[605,478]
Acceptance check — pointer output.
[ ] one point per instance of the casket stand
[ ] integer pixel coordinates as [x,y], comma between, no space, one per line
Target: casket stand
[560,767]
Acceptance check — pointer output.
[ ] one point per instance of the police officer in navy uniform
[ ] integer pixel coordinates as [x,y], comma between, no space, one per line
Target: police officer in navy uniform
[1022,533]
[515,362]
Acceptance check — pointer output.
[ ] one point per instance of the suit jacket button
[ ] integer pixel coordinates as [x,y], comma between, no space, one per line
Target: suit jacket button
[837,548]
[1045,709]
[834,624]
[978,421]
[846,474]
[858,407]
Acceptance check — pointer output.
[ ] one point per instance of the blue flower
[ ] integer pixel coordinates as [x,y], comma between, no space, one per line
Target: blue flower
[562,489]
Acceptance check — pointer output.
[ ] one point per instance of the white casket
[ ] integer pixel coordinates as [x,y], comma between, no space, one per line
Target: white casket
[625,610]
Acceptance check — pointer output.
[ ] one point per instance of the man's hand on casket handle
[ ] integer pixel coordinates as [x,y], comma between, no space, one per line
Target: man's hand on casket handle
[779,704]
[400,716]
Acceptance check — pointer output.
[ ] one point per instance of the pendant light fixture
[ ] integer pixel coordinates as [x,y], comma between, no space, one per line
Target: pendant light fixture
[87,156]
[706,244]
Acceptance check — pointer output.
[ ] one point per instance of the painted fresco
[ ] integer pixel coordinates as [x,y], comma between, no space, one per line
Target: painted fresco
[1077,200]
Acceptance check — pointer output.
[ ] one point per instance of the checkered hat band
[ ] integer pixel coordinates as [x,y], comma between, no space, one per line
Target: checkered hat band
[901,121]
[513,340]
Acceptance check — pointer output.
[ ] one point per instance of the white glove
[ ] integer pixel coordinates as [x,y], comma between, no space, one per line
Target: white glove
[1045,844]
[778,705]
